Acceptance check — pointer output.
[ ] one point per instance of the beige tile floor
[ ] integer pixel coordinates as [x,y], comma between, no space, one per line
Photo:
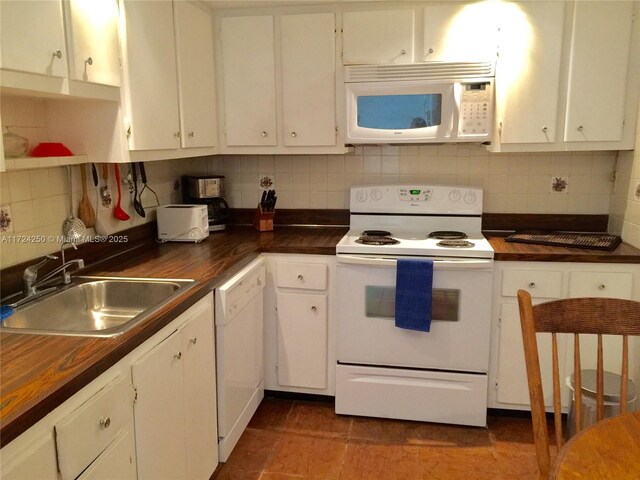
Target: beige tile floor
[289,440]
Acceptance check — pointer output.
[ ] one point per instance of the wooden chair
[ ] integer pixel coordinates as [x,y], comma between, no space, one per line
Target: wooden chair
[608,316]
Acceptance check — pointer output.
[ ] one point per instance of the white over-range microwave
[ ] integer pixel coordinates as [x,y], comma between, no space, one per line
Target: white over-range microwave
[432,102]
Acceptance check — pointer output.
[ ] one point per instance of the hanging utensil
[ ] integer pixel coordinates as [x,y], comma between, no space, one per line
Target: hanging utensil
[145,187]
[136,203]
[100,228]
[73,229]
[118,212]
[105,191]
[85,210]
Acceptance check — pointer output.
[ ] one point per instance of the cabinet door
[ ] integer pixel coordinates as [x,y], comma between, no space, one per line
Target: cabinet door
[308,81]
[249,80]
[151,75]
[381,36]
[196,72]
[598,70]
[302,340]
[200,395]
[460,33]
[93,41]
[159,411]
[117,461]
[512,373]
[31,34]
[528,71]
[36,462]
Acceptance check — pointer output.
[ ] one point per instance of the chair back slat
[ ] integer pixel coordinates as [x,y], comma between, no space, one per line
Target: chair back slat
[600,316]
[557,403]
[577,382]
[624,388]
[600,382]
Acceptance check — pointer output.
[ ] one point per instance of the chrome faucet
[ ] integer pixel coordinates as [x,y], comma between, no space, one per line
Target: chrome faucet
[30,275]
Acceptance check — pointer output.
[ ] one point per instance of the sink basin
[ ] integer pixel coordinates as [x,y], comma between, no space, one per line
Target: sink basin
[95,306]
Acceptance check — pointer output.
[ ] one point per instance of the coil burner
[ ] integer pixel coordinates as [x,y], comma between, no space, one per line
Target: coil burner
[376,240]
[376,233]
[448,235]
[455,243]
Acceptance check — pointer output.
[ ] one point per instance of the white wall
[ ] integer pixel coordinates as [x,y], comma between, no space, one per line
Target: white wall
[513,183]
[625,200]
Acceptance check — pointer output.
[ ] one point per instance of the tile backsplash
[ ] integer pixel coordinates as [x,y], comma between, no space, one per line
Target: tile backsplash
[512,183]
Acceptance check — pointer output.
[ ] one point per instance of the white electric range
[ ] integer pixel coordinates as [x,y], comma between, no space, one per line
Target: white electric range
[385,371]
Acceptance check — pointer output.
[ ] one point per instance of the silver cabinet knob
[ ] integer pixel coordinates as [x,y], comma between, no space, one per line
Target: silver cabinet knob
[190,134]
[580,128]
[57,54]
[545,129]
[264,133]
[89,61]
[532,285]
[300,277]
[105,422]
[193,340]
[178,356]
[176,134]
[314,308]
[602,286]
[293,134]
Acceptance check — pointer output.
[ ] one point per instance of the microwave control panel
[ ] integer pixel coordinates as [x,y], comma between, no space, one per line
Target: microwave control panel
[475,109]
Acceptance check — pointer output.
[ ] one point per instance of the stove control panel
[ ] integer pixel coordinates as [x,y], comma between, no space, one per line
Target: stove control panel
[416,199]
[415,194]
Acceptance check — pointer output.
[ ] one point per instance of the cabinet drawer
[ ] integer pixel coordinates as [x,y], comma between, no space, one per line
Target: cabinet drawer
[308,276]
[83,434]
[600,284]
[539,283]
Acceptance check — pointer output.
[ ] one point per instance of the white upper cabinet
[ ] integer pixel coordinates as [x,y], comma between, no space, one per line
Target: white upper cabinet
[528,71]
[457,32]
[93,41]
[32,37]
[308,81]
[598,70]
[151,82]
[248,51]
[378,37]
[196,73]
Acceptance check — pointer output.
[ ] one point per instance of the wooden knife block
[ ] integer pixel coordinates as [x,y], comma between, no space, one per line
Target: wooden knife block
[263,221]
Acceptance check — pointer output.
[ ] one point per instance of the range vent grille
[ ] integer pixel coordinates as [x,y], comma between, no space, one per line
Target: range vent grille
[418,71]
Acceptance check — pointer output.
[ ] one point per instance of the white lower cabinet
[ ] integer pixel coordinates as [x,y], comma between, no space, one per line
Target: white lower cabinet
[104,432]
[298,324]
[547,281]
[175,408]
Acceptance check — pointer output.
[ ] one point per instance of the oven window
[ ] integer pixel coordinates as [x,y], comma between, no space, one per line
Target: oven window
[399,112]
[380,302]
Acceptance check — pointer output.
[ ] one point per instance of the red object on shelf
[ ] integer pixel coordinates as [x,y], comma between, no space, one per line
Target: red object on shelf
[51,150]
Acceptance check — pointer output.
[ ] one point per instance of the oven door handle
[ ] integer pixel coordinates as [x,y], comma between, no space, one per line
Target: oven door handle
[438,262]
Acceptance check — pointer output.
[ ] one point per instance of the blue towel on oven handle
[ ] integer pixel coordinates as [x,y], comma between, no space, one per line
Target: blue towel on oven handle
[414,281]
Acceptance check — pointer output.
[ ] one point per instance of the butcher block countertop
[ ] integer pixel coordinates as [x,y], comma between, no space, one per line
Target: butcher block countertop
[38,372]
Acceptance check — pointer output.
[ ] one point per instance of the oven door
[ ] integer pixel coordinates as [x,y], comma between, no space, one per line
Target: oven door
[461,314]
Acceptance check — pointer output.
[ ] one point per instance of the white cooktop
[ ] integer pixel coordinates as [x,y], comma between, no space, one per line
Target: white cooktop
[410,213]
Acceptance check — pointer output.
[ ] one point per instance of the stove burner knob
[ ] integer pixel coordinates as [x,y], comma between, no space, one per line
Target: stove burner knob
[361,196]
[376,194]
[454,195]
[470,197]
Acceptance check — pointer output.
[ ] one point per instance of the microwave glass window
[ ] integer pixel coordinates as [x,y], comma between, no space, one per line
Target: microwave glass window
[399,112]
[380,302]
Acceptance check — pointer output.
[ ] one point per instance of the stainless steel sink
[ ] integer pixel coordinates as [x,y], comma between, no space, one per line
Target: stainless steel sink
[95,306]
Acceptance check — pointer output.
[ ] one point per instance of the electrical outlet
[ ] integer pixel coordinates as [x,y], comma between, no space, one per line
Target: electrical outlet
[559,184]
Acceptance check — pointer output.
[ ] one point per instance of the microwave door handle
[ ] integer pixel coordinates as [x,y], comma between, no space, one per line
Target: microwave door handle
[439,263]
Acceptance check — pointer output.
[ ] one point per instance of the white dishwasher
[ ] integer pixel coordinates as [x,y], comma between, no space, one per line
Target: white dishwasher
[239,353]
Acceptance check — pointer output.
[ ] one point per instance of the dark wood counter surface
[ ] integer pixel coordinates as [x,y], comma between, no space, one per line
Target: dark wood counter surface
[38,372]
[526,252]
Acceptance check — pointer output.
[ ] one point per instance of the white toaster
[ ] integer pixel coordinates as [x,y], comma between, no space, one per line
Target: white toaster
[183,223]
